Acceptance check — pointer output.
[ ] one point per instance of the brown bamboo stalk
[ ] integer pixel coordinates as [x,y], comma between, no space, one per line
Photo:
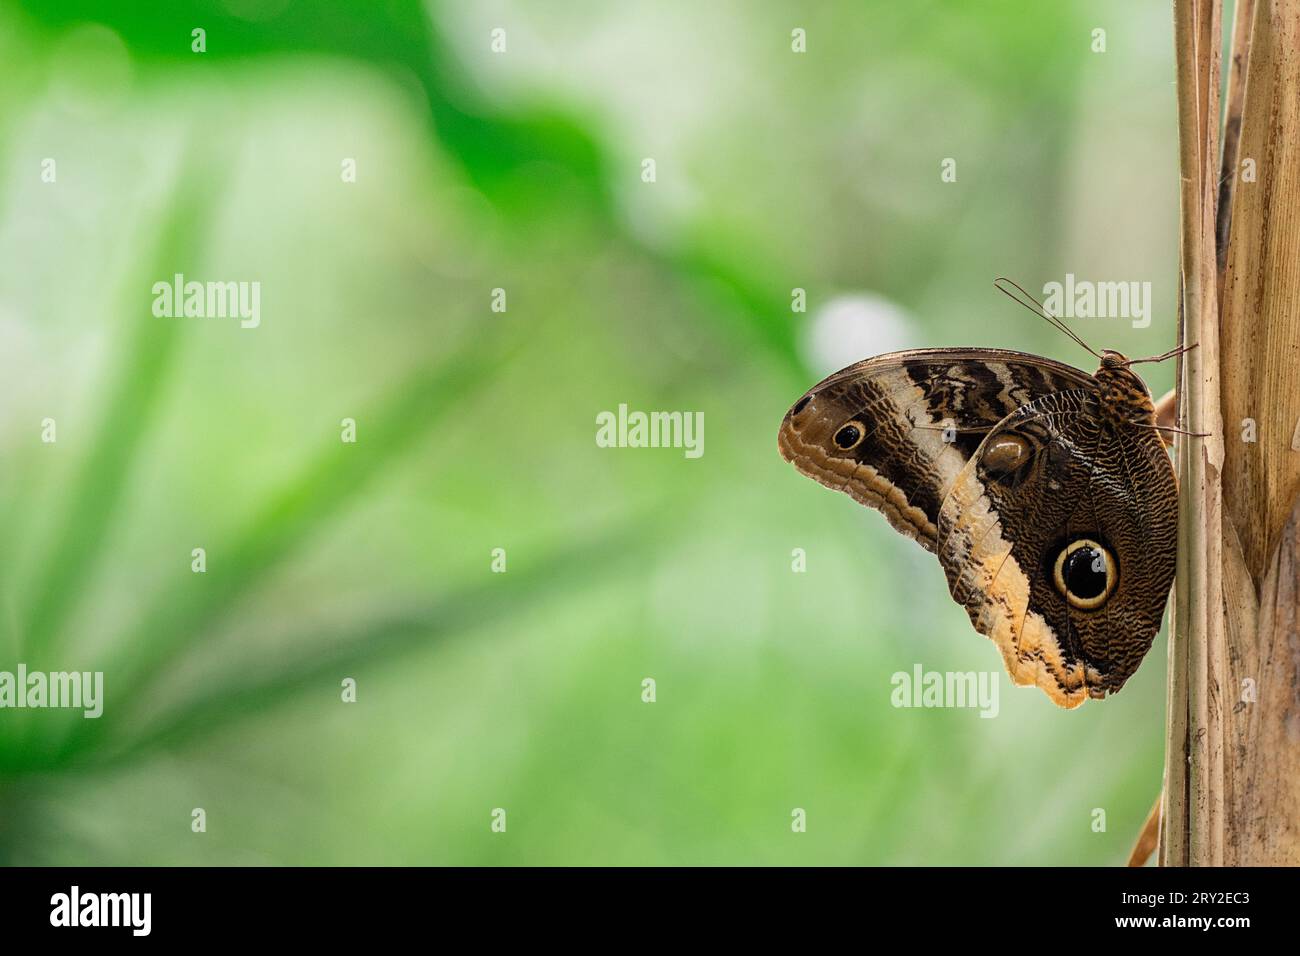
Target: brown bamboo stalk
[1261,478]
[1193,813]
[1238,589]
[1232,772]
[1208,656]
[1261,334]
[1243,22]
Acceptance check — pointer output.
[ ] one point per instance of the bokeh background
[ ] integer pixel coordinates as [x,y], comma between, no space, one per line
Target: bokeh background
[522,170]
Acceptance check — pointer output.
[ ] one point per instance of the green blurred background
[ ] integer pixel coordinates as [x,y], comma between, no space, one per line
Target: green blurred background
[522,170]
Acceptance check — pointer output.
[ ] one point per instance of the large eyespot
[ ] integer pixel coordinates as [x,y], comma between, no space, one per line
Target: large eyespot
[1004,454]
[849,436]
[1085,573]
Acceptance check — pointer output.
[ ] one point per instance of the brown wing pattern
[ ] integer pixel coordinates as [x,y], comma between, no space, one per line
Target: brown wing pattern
[1004,464]
[1000,535]
[922,413]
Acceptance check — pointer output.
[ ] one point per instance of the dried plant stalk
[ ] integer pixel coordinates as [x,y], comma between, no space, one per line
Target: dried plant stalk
[1232,774]
[1193,809]
[1261,400]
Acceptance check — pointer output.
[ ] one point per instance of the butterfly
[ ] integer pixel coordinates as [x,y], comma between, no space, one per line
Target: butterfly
[1046,493]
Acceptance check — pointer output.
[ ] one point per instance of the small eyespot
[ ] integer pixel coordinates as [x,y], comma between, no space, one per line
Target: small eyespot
[1004,455]
[1085,573]
[801,405]
[849,436]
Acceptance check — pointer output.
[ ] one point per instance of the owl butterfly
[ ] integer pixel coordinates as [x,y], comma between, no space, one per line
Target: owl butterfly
[1045,492]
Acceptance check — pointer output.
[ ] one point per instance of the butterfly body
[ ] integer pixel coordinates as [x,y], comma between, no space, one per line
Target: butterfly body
[1045,492]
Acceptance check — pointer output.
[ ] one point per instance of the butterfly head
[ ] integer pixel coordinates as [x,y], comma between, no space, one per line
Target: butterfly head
[1112,359]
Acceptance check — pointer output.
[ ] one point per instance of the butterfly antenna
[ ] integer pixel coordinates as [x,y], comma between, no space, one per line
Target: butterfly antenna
[1165,356]
[1038,309]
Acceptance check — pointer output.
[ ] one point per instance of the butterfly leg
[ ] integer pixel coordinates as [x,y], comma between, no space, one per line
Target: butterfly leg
[1146,841]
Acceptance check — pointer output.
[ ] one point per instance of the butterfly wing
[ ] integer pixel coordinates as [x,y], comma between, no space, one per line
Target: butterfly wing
[1057,476]
[920,416]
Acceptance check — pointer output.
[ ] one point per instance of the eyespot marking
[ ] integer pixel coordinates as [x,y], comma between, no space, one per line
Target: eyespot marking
[1085,572]
[849,436]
